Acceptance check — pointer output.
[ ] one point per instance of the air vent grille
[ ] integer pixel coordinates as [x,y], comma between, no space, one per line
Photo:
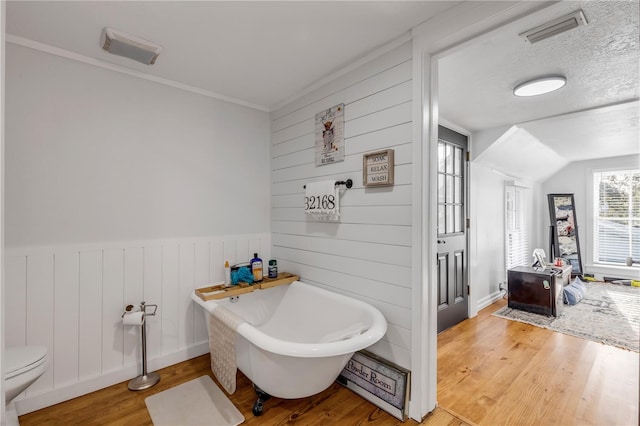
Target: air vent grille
[555,27]
[130,46]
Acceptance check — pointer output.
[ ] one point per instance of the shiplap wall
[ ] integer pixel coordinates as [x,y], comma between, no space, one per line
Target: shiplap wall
[367,254]
[70,299]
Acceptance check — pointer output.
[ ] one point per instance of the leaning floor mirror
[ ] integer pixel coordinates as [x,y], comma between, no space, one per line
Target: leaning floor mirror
[563,238]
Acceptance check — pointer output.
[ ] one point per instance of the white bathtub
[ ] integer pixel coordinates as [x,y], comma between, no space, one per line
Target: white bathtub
[297,338]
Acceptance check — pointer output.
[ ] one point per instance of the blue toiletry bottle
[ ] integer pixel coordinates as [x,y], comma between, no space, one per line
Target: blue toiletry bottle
[256,267]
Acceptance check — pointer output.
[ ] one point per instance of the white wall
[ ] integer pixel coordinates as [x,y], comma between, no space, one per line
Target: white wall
[487,264]
[120,190]
[2,293]
[576,179]
[93,155]
[368,253]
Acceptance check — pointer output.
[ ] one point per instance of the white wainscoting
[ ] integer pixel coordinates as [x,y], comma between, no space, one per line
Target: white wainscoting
[367,254]
[70,299]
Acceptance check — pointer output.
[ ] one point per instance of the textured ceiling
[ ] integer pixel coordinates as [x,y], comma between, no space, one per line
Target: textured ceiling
[600,61]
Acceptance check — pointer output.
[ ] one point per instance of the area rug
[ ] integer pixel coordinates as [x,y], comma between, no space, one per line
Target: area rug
[195,403]
[609,314]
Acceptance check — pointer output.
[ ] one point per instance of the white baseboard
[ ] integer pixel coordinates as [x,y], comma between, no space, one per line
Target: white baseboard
[622,272]
[58,395]
[488,300]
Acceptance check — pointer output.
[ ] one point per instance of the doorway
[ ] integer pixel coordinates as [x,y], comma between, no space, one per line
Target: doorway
[452,247]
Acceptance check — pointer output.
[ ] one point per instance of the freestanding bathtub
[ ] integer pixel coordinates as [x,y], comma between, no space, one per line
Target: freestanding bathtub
[295,339]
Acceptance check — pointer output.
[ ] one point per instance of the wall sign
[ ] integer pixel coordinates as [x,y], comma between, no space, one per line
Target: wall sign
[379,381]
[330,136]
[377,168]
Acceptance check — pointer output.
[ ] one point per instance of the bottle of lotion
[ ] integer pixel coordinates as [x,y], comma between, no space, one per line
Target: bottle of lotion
[227,273]
[256,268]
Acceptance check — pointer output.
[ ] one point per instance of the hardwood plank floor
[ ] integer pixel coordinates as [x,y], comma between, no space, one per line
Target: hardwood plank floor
[116,405]
[491,371]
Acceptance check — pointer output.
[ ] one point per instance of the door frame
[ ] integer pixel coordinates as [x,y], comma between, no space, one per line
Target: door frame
[431,40]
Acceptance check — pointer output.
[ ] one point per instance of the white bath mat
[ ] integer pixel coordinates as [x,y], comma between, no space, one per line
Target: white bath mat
[195,403]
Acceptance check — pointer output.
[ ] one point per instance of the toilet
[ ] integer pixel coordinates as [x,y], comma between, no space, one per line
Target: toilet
[23,366]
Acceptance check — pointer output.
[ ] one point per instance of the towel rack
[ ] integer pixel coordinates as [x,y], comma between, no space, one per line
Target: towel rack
[348,183]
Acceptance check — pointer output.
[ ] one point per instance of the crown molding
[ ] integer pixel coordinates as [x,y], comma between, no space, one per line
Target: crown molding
[78,57]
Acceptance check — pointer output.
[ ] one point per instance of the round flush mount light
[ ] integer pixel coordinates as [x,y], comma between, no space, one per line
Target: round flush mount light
[540,85]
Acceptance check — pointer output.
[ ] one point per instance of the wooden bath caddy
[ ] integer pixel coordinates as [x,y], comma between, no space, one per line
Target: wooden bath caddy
[220,291]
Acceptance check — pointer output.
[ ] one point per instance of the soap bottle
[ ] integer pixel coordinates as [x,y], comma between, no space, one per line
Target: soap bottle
[227,273]
[256,267]
[273,269]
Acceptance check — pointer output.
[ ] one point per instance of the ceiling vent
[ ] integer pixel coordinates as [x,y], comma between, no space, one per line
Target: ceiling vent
[130,46]
[557,26]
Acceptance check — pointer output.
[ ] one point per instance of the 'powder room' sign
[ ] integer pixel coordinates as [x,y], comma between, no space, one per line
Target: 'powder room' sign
[380,382]
[377,168]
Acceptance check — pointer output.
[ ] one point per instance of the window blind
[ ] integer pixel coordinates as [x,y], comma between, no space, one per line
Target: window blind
[516,227]
[616,206]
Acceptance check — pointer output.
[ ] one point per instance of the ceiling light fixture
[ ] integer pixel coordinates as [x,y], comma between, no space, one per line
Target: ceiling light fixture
[540,85]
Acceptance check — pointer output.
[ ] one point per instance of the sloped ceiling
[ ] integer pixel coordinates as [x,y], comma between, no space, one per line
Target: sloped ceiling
[595,115]
[519,155]
[610,131]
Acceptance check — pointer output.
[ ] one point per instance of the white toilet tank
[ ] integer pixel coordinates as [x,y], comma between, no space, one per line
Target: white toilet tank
[24,364]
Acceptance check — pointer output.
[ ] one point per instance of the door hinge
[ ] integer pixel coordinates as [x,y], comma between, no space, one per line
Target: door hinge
[468,290]
[468,223]
[468,156]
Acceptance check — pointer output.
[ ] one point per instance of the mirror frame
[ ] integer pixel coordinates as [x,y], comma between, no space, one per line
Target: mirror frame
[562,227]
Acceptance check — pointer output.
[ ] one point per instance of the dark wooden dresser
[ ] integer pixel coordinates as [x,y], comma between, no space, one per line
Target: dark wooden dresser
[536,289]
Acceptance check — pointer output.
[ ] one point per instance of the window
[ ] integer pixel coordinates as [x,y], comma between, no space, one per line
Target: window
[450,188]
[516,227]
[616,221]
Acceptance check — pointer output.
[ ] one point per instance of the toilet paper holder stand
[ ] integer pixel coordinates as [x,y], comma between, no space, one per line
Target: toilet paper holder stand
[145,380]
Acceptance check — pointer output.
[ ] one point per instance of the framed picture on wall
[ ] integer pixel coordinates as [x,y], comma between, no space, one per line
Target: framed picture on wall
[329,135]
[377,168]
[563,237]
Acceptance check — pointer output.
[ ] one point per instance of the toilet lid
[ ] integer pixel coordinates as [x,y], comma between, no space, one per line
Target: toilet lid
[23,358]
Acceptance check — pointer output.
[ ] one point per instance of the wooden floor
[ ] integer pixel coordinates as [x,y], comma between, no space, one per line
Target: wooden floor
[491,371]
[116,405]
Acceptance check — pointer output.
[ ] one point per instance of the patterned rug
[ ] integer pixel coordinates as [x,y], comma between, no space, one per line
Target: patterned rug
[609,314]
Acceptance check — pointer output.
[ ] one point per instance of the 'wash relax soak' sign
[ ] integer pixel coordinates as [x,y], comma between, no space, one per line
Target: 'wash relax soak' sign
[377,168]
[378,381]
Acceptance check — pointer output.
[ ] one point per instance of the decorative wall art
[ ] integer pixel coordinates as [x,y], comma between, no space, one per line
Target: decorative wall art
[563,238]
[330,136]
[379,381]
[377,168]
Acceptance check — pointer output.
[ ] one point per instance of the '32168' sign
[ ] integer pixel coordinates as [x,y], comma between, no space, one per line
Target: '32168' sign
[318,203]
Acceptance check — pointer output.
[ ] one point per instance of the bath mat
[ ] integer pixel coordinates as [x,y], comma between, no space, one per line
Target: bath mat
[608,314]
[222,345]
[195,403]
